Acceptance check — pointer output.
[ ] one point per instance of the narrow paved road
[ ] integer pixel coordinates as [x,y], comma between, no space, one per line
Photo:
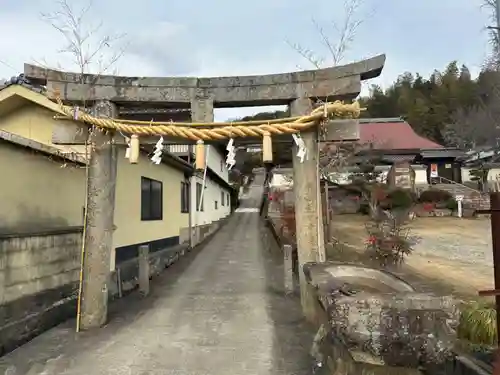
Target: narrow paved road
[219,311]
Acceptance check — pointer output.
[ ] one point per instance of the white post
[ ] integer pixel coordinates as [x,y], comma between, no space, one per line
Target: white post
[459,199]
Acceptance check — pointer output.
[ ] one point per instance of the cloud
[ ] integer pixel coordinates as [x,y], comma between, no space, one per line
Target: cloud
[163,46]
[37,43]
[226,37]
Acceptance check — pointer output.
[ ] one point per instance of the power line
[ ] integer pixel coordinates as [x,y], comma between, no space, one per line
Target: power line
[8,65]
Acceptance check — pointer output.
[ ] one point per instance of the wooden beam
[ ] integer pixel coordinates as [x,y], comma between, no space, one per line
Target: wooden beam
[73,133]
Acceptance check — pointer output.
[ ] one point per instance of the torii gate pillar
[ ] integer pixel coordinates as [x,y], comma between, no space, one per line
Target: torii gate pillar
[98,238]
[308,210]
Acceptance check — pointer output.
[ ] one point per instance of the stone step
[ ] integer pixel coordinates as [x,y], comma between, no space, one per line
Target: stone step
[476,199]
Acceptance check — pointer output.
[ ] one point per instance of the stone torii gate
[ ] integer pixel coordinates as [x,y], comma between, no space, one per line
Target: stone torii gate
[110,95]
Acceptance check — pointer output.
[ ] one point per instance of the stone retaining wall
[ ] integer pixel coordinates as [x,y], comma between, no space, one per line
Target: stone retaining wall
[38,282]
[372,322]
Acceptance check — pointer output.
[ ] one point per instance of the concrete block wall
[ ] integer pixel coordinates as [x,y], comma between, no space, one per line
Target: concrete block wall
[126,275]
[39,275]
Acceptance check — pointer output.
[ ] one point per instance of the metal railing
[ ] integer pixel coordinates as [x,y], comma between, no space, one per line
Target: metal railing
[455,184]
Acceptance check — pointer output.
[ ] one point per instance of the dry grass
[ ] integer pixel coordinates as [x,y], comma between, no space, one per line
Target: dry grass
[454,254]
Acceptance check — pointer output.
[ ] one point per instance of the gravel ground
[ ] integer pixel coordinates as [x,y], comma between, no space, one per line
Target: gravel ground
[465,241]
[454,255]
[458,249]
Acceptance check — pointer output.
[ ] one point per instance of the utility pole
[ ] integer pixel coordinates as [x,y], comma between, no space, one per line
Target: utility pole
[495,224]
[495,216]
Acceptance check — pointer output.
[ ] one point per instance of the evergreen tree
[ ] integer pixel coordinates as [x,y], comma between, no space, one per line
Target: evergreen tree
[448,107]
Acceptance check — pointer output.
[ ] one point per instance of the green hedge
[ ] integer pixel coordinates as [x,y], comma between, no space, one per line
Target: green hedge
[435,196]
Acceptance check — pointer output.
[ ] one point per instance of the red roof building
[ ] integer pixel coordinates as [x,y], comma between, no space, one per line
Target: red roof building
[394,141]
[392,134]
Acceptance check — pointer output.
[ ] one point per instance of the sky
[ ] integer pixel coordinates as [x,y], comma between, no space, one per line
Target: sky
[223,37]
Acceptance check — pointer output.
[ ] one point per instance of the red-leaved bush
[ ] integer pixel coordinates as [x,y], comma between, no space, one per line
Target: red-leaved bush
[288,218]
[427,207]
[389,240]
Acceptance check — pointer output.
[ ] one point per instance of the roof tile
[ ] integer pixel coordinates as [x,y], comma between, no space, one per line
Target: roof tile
[393,135]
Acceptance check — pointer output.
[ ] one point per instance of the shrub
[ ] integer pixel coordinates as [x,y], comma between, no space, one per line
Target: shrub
[364,208]
[478,325]
[389,240]
[428,207]
[288,218]
[452,204]
[400,198]
[435,195]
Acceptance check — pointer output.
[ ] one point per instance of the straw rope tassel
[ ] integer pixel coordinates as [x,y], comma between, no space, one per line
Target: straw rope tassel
[200,155]
[134,149]
[267,148]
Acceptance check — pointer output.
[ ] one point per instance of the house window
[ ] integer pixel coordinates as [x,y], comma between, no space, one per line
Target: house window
[228,199]
[185,197]
[151,199]
[199,189]
[215,204]
[222,198]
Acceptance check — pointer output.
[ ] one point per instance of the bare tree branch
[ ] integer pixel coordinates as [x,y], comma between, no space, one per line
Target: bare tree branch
[493,61]
[344,33]
[90,49]
[338,43]
[307,54]
[473,127]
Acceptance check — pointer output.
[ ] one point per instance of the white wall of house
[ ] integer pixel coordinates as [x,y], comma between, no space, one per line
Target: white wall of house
[420,174]
[213,207]
[465,174]
[217,163]
[341,178]
[281,180]
[344,178]
[492,174]
[215,160]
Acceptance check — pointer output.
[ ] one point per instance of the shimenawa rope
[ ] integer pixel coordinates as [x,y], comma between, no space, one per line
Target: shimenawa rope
[218,131]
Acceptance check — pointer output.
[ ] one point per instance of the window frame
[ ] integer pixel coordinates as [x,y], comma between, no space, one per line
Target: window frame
[148,198]
[185,197]
[199,197]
